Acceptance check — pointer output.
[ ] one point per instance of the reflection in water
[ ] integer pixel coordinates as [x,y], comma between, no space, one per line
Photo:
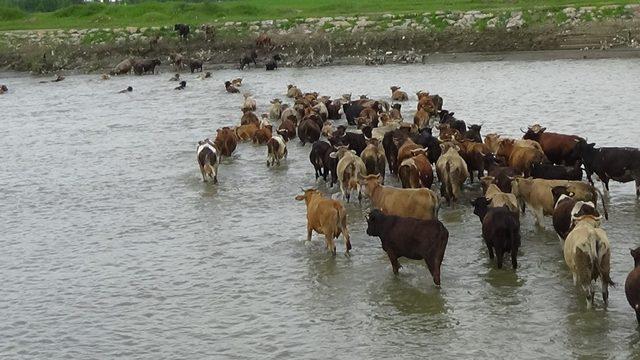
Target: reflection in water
[111,239]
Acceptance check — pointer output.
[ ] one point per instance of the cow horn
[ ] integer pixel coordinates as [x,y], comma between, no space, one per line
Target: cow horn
[523,131]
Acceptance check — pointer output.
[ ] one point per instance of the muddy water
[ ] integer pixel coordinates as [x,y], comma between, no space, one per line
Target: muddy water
[112,245]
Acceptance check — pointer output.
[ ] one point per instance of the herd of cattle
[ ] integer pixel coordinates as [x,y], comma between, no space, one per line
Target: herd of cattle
[542,171]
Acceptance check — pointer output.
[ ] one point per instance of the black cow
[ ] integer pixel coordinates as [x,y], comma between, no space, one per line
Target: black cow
[391,149]
[426,139]
[411,238]
[333,108]
[503,174]
[249,57]
[556,172]
[473,133]
[356,142]
[316,157]
[447,117]
[194,65]
[182,29]
[273,63]
[141,67]
[610,163]
[353,109]
[500,230]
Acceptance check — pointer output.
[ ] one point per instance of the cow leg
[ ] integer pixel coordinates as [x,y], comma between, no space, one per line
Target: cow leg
[331,245]
[359,193]
[490,248]
[605,290]
[514,258]
[499,257]
[309,233]
[394,262]
[215,179]
[590,295]
[347,240]
[345,194]
[539,215]
[638,188]
[204,179]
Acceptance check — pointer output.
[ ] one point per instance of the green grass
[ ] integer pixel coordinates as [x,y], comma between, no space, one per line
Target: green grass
[97,15]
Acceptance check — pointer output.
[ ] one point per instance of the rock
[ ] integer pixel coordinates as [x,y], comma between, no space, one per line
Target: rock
[492,23]
[229,23]
[254,28]
[310,20]
[340,23]
[515,21]
[570,12]
[387,16]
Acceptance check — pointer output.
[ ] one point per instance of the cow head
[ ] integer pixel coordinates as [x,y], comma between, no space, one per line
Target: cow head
[473,133]
[480,206]
[584,150]
[445,146]
[397,106]
[370,182]
[485,181]
[533,132]
[374,220]
[394,88]
[585,211]
[340,152]
[307,195]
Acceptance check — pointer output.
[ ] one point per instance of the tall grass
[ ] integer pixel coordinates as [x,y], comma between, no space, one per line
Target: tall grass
[154,13]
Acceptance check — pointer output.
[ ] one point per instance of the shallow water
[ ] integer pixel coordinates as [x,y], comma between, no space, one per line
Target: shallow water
[113,247]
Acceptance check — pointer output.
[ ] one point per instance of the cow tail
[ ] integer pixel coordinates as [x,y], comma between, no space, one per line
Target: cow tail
[208,169]
[447,177]
[600,250]
[353,181]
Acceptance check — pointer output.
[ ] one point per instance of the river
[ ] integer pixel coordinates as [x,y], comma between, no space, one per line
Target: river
[112,246]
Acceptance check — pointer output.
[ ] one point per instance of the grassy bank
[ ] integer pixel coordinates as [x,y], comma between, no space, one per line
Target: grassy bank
[149,14]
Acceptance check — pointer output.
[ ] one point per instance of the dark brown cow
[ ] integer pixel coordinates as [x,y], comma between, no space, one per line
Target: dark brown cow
[262,135]
[565,206]
[411,238]
[632,285]
[416,172]
[308,131]
[226,141]
[289,125]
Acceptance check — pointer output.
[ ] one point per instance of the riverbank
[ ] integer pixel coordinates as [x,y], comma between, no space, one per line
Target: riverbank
[387,38]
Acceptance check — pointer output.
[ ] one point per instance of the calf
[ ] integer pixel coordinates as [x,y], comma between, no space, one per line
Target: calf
[208,160]
[327,217]
[374,158]
[249,57]
[276,150]
[452,172]
[416,172]
[225,141]
[556,172]
[416,203]
[194,65]
[350,167]
[500,230]
[632,284]
[587,253]
[273,63]
[411,238]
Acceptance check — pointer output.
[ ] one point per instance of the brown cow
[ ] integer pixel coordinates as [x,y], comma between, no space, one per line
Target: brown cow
[416,172]
[289,125]
[398,95]
[293,92]
[416,203]
[374,158]
[473,154]
[327,217]
[558,148]
[230,88]
[262,135]
[632,284]
[249,117]
[226,141]
[405,149]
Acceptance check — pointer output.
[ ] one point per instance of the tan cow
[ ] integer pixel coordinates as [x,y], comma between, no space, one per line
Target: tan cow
[415,203]
[328,128]
[587,253]
[452,172]
[275,110]
[536,193]
[325,216]
[249,102]
[246,132]
[374,158]
[398,95]
[493,142]
[496,197]
[293,92]
[350,167]
[520,158]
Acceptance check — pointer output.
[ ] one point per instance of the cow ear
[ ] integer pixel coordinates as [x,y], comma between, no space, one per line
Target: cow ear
[442,146]
[571,194]
[457,148]
[592,144]
[300,197]
[353,152]
[333,155]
